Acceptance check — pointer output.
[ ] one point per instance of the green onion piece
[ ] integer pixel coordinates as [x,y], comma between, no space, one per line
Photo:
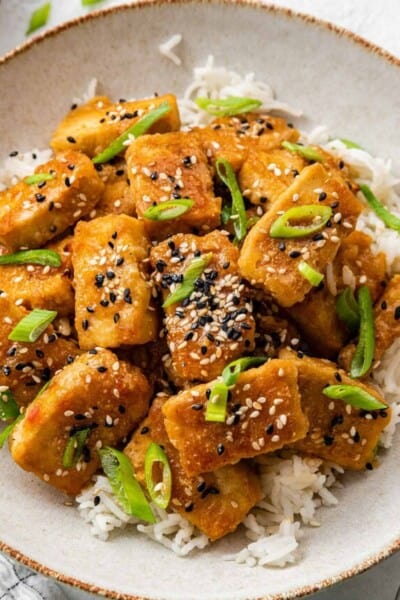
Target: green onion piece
[156,458]
[347,309]
[319,216]
[38,178]
[119,471]
[74,448]
[138,129]
[8,407]
[353,395]
[314,277]
[31,327]
[380,210]
[232,371]
[350,143]
[193,272]
[90,2]
[7,430]
[228,107]
[172,209]
[32,257]
[43,388]
[226,213]
[305,151]
[252,221]
[364,355]
[216,405]
[39,18]
[238,210]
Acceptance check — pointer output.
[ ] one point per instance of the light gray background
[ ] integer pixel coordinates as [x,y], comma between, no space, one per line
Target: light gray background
[379,22]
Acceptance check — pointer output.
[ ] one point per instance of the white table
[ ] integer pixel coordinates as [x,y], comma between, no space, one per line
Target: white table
[377,21]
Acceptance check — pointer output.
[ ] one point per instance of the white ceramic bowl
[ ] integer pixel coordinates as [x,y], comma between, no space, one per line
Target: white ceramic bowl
[336,79]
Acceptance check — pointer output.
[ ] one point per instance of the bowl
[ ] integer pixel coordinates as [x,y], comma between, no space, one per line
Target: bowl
[336,79]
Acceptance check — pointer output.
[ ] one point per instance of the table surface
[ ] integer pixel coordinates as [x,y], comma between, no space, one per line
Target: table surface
[376,21]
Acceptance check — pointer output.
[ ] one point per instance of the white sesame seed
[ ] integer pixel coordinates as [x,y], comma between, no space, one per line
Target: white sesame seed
[275,438]
[69,413]
[272,410]
[255,446]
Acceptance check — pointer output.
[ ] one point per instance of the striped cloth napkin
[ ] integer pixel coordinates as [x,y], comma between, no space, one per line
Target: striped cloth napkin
[19,583]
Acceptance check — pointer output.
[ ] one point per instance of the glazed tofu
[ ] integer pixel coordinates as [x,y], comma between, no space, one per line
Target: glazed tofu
[264,176]
[92,126]
[97,393]
[264,414]
[214,502]
[26,367]
[31,215]
[272,263]
[232,137]
[36,286]
[338,432]
[212,326]
[167,167]
[116,198]
[112,291]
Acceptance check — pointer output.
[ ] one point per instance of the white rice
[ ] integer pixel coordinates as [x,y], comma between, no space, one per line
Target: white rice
[167,48]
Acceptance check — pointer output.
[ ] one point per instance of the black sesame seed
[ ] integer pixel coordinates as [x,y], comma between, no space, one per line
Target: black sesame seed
[187,161]
[317,237]
[282,246]
[144,430]
[356,437]
[102,369]
[12,351]
[384,305]
[52,228]
[6,371]
[328,440]
[116,317]
[322,196]
[294,254]
[397,313]
[154,176]
[40,198]
[52,338]
[41,184]
[98,168]
[341,164]
[270,429]
[197,406]
[104,303]
[85,324]
[120,172]
[67,182]
[71,139]
[335,204]
[189,507]
[13,153]
[96,500]
[99,280]
[79,417]
[121,409]
[90,309]
[220,449]
[369,466]
[337,420]
[119,262]
[204,349]
[338,376]
[71,167]
[127,296]
[110,274]
[113,297]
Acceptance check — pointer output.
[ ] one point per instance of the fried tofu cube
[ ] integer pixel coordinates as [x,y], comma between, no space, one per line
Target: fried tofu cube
[31,215]
[264,414]
[112,291]
[26,367]
[214,324]
[97,393]
[94,125]
[215,502]
[338,432]
[167,167]
[264,176]
[116,198]
[272,263]
[36,286]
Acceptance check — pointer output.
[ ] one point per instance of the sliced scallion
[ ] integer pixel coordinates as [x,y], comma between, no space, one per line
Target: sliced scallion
[32,257]
[347,309]
[7,430]
[8,407]
[238,210]
[74,448]
[228,107]
[138,129]
[193,272]
[353,395]
[38,178]
[172,209]
[232,371]
[312,275]
[90,2]
[39,18]
[119,471]
[155,461]
[31,327]
[364,354]
[379,209]
[285,225]
[350,143]
[216,405]
[305,151]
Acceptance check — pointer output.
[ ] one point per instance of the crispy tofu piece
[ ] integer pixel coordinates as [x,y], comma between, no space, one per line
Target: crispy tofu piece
[26,367]
[112,291]
[214,325]
[94,125]
[338,432]
[35,286]
[96,392]
[264,414]
[116,198]
[214,502]
[232,137]
[272,263]
[169,166]
[31,215]
[264,176]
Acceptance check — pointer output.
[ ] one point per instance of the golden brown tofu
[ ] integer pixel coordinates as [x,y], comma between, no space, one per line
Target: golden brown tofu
[31,215]
[92,126]
[263,414]
[167,167]
[35,286]
[112,291]
[116,198]
[214,502]
[26,367]
[232,137]
[96,392]
[212,326]
[338,432]
[264,176]
[272,263]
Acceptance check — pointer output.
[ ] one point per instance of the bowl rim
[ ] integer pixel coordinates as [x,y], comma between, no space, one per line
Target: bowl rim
[276,10]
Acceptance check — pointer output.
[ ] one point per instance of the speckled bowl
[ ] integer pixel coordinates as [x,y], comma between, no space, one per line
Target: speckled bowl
[336,79]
